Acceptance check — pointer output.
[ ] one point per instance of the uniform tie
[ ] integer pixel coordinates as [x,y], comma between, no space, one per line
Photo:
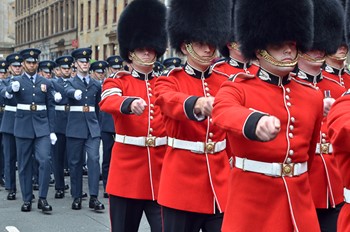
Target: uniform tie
[32,79]
[85,83]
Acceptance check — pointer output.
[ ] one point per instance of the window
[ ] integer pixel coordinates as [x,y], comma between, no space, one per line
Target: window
[97,12]
[104,51]
[97,48]
[52,21]
[105,18]
[114,11]
[81,17]
[89,15]
[66,15]
[72,14]
[61,20]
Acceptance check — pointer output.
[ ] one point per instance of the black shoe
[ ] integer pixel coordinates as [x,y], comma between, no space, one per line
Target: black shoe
[26,207]
[84,195]
[85,170]
[11,196]
[105,195]
[95,204]
[66,187]
[43,205]
[76,204]
[35,186]
[2,182]
[52,181]
[59,194]
[66,172]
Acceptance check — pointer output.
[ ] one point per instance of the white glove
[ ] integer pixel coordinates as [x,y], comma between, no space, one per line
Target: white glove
[15,86]
[77,94]
[53,138]
[327,103]
[58,97]
[8,96]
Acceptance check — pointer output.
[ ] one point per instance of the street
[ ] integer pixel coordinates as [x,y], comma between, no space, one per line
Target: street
[62,218]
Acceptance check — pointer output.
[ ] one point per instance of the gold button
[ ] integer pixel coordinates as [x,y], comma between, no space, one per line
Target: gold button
[206,89]
[291,127]
[205,84]
[151,117]
[150,129]
[152,112]
[289,104]
[150,95]
[211,135]
[287,97]
[292,119]
[288,90]
[291,135]
[323,135]
[150,89]
[323,140]
[152,106]
[208,95]
[289,160]
[291,152]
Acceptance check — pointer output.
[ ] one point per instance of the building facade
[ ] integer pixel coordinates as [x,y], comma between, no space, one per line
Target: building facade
[7,31]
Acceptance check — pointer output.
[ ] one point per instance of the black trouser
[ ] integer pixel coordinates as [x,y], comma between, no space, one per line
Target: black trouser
[184,221]
[328,218]
[107,145]
[126,213]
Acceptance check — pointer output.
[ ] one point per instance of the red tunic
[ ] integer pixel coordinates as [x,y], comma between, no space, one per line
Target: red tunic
[231,67]
[258,202]
[134,170]
[325,178]
[341,76]
[191,181]
[339,133]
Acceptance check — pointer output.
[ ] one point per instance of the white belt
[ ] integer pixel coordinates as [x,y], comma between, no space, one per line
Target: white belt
[324,148]
[197,147]
[142,141]
[62,107]
[31,107]
[347,195]
[82,108]
[271,169]
[11,108]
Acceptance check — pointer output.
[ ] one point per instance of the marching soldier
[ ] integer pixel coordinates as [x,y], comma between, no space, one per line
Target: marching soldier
[46,68]
[83,130]
[272,121]
[62,109]
[325,178]
[115,64]
[158,68]
[196,162]
[172,62]
[33,128]
[14,61]
[140,140]
[3,75]
[98,70]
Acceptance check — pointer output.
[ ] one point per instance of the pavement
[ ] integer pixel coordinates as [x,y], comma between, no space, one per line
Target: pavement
[62,218]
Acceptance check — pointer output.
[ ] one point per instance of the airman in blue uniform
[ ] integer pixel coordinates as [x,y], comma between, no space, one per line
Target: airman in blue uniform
[3,75]
[33,128]
[7,125]
[62,109]
[83,129]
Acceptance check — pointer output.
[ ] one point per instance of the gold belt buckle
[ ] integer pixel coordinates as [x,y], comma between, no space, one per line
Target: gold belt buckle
[209,147]
[33,107]
[66,108]
[287,169]
[86,109]
[325,148]
[150,141]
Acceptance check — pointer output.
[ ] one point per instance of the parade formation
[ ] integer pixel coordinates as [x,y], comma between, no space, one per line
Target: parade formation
[246,130]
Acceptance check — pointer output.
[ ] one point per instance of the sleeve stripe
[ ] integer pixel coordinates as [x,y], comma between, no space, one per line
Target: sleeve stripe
[112,91]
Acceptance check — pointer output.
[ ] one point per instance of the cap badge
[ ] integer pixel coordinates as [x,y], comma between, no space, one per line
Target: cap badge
[31,53]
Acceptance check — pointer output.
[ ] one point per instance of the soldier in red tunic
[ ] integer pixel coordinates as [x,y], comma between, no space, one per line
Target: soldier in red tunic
[140,140]
[193,183]
[325,178]
[234,62]
[272,121]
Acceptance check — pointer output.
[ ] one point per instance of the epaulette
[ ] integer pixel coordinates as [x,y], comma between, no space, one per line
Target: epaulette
[167,72]
[304,83]
[347,92]
[119,74]
[241,75]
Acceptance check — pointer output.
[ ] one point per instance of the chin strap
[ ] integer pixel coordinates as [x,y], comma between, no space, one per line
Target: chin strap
[337,58]
[137,60]
[313,60]
[270,59]
[195,56]
[234,46]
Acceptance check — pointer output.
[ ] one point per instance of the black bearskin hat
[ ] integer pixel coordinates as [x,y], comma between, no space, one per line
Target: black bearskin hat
[328,25]
[260,23]
[205,21]
[347,22]
[224,50]
[142,25]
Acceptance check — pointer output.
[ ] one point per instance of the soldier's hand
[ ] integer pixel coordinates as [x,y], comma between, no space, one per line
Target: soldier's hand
[138,106]
[53,138]
[327,103]
[77,94]
[204,106]
[58,97]
[8,96]
[268,128]
[15,86]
